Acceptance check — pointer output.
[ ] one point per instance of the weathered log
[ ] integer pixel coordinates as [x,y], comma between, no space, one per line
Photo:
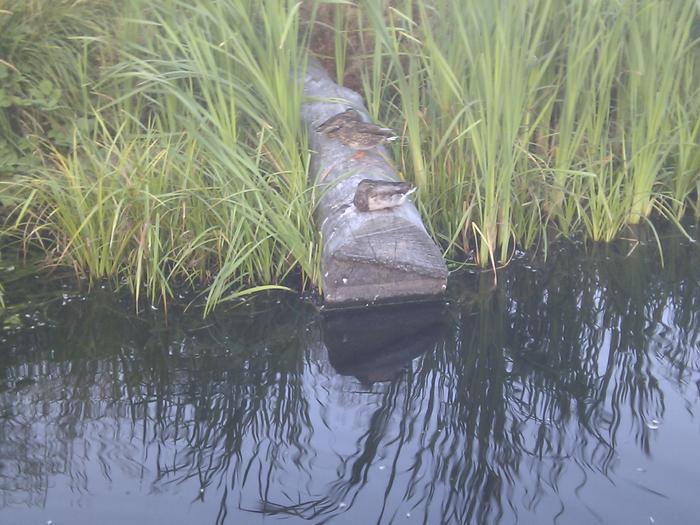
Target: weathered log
[368,257]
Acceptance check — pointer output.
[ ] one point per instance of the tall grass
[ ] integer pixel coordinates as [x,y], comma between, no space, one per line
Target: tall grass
[523,119]
[225,73]
[192,168]
[658,37]
[157,144]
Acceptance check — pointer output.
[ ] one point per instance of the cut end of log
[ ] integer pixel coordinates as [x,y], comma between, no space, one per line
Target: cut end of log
[381,257]
[366,284]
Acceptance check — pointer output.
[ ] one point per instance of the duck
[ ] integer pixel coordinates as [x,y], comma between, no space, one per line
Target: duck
[337,121]
[375,194]
[349,128]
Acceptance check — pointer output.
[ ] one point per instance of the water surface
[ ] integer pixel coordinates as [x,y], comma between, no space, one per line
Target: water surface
[567,393]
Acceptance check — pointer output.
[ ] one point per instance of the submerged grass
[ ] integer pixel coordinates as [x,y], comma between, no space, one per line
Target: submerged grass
[157,144]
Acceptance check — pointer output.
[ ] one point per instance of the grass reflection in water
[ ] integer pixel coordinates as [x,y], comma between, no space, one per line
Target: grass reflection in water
[545,398]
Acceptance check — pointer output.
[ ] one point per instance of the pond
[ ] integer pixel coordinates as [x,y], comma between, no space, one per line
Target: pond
[567,393]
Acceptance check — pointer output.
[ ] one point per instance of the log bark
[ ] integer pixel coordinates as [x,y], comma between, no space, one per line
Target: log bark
[368,257]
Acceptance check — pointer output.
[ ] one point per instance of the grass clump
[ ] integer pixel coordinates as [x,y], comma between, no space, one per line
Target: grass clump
[189,171]
[527,120]
[158,144]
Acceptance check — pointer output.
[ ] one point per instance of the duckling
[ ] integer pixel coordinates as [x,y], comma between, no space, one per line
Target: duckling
[372,194]
[349,128]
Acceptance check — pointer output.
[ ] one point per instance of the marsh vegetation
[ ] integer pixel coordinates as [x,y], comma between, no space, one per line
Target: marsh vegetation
[157,144]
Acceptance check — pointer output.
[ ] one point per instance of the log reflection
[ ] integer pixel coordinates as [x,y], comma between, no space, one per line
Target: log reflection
[376,344]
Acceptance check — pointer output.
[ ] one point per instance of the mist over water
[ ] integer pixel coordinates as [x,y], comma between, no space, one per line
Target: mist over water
[567,393]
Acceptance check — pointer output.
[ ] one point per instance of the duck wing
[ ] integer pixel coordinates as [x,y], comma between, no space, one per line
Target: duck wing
[367,133]
[337,121]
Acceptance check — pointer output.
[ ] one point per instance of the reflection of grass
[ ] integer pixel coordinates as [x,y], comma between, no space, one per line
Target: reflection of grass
[201,387]
[558,369]
[158,143]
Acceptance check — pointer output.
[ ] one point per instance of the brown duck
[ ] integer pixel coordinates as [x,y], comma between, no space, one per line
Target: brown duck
[373,194]
[349,128]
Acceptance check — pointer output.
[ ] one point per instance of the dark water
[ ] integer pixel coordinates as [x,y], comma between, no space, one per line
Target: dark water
[569,394]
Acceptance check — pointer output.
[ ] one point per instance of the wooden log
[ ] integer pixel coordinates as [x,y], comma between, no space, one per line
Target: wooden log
[368,257]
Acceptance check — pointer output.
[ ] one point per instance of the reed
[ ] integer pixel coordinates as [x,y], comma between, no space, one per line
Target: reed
[658,37]
[224,73]
[685,159]
[192,169]
[158,145]
[519,118]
